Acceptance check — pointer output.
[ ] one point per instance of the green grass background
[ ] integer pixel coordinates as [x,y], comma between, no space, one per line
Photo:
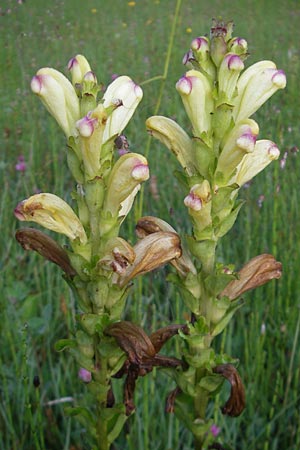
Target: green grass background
[35,305]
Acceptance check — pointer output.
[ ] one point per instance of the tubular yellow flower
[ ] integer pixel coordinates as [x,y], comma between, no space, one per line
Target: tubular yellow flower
[53,213]
[252,163]
[125,95]
[78,66]
[240,141]
[255,86]
[128,172]
[196,94]
[175,138]
[59,97]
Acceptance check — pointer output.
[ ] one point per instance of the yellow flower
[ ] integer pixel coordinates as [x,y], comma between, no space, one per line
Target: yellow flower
[93,10]
[131,3]
[188,30]
[53,213]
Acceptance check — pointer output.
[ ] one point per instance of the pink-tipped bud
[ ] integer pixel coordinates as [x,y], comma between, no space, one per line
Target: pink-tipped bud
[86,125]
[188,57]
[36,84]
[200,44]
[184,85]
[273,152]
[140,172]
[90,77]
[279,79]
[246,142]
[234,62]
[238,45]
[192,201]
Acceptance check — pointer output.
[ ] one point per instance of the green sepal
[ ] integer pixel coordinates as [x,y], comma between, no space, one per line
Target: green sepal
[204,358]
[85,344]
[202,234]
[223,201]
[182,179]
[222,120]
[204,251]
[80,264]
[218,309]
[81,411]
[184,411]
[92,323]
[228,222]
[184,379]
[94,194]
[64,344]
[215,283]
[82,360]
[98,390]
[219,327]
[204,156]
[74,162]
[116,423]
[211,383]
[115,301]
[190,301]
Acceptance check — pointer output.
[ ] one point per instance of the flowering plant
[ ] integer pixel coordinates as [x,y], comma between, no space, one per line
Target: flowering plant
[220,156]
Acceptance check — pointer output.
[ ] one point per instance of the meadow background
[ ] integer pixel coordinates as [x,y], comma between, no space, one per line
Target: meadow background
[121,37]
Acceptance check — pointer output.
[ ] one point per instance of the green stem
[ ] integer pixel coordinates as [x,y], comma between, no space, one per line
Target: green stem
[163,78]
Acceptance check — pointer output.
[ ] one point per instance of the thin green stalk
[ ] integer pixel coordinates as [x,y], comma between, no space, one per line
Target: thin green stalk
[163,78]
[290,372]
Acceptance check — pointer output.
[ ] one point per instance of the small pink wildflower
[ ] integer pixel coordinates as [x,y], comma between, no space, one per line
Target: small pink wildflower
[215,430]
[21,165]
[85,375]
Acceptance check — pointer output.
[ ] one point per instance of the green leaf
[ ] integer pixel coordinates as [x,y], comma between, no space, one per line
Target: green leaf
[211,383]
[219,327]
[228,222]
[64,344]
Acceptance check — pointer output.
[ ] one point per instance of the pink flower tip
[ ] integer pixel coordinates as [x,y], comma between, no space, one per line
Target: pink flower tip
[18,211]
[36,84]
[90,76]
[234,62]
[140,172]
[199,42]
[86,125]
[215,430]
[184,85]
[73,62]
[279,79]
[21,165]
[85,375]
[246,142]
[192,201]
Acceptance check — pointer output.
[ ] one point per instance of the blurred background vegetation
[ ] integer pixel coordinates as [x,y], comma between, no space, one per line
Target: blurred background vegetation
[127,37]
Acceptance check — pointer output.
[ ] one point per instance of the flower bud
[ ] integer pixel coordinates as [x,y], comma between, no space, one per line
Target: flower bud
[53,213]
[175,138]
[255,86]
[196,94]
[252,163]
[128,172]
[229,72]
[86,125]
[200,47]
[59,98]
[128,95]
[238,46]
[199,196]
[78,66]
